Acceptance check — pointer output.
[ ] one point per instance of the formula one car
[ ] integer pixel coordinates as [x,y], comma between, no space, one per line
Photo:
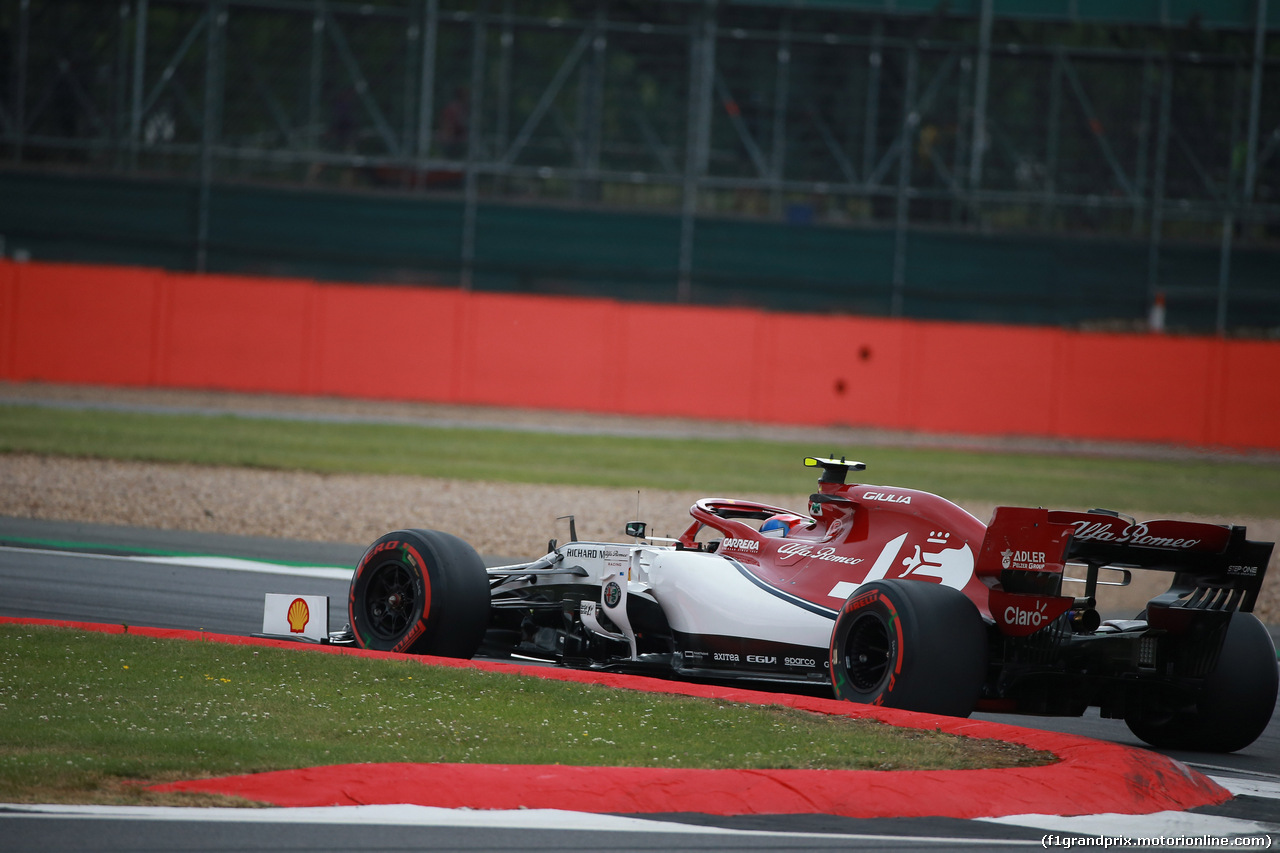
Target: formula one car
[880,595]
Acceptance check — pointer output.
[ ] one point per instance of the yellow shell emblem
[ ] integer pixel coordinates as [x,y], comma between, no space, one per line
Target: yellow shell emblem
[299,616]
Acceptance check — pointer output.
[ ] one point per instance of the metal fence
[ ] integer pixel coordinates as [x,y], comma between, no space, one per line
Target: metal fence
[850,117]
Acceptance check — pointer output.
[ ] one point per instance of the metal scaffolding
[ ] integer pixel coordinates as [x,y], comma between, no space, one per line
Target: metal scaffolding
[858,116]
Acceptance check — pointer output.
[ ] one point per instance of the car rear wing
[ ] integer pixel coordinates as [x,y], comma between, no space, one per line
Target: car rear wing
[1215,566]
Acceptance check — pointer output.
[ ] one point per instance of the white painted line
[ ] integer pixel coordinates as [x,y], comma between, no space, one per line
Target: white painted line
[231,564]
[387,815]
[1210,769]
[236,564]
[1160,824]
[406,815]
[1249,787]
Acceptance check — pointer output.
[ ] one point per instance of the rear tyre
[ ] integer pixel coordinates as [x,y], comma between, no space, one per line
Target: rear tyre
[420,592]
[913,645]
[1235,702]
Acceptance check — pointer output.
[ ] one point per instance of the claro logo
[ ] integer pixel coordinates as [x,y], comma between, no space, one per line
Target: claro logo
[1014,615]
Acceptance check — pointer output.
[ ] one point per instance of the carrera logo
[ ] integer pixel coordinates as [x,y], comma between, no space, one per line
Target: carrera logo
[740,545]
[1133,534]
[887,498]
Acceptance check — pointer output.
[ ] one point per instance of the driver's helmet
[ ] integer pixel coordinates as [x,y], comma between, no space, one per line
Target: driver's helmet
[781,525]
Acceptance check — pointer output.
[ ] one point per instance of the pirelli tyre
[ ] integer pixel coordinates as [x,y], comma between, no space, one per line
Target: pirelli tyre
[1235,703]
[913,645]
[420,592]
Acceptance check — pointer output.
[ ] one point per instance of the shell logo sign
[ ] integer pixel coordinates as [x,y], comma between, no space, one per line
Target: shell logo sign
[299,615]
[296,616]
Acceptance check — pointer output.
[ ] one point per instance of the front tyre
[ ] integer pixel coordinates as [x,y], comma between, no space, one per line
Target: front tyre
[1235,702]
[420,592]
[913,645]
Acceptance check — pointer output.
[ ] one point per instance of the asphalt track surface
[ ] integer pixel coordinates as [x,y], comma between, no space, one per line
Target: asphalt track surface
[77,572]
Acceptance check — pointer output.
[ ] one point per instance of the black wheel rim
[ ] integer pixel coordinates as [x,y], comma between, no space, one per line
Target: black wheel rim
[390,600]
[867,653]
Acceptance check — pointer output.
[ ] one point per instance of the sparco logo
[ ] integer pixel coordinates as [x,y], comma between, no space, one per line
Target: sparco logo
[1134,534]
[1017,616]
[741,544]
[828,555]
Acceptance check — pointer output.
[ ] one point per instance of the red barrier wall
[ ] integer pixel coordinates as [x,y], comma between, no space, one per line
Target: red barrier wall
[142,327]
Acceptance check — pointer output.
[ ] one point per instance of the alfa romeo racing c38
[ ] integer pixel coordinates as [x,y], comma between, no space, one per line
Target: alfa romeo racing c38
[881,595]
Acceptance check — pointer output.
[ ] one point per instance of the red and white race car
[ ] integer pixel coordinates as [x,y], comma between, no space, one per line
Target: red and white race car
[882,595]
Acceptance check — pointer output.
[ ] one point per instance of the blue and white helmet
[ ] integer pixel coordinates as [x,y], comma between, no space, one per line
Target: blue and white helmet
[781,525]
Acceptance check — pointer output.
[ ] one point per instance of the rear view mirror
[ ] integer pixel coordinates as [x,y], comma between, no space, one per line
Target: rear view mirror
[635,529]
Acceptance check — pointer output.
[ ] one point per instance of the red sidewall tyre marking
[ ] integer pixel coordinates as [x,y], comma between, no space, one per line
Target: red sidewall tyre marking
[415,560]
[869,599]
[416,565]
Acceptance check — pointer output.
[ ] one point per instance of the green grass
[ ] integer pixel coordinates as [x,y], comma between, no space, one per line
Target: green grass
[1219,488]
[88,716]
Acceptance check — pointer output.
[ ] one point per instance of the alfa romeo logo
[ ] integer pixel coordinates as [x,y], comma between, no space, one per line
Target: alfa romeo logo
[612,594]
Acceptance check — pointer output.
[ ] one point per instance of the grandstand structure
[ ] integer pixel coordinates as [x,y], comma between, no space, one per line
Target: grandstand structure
[1062,162]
